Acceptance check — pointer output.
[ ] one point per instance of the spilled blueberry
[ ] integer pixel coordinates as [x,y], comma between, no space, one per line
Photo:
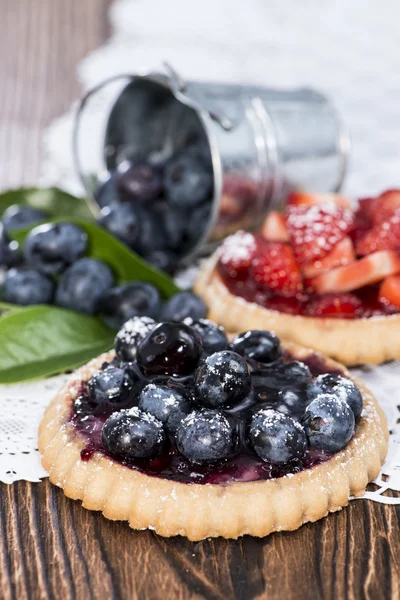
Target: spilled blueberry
[82,285]
[25,286]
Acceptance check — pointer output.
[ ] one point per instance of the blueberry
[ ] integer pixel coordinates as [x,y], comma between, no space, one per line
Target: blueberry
[339,386]
[83,407]
[173,223]
[168,404]
[13,255]
[295,401]
[295,371]
[205,436]
[182,306]
[3,244]
[138,299]
[51,248]
[113,388]
[151,235]
[276,437]
[169,349]
[122,221]
[26,286]
[82,285]
[18,216]
[329,423]
[165,261]
[187,181]
[197,223]
[223,379]
[262,346]
[212,335]
[130,434]
[129,336]
[140,182]
[294,375]
[107,193]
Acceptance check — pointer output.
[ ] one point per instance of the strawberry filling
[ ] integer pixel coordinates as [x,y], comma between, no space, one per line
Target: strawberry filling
[320,258]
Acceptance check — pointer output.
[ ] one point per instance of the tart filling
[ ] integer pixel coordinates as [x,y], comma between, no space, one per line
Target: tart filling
[320,258]
[181,402]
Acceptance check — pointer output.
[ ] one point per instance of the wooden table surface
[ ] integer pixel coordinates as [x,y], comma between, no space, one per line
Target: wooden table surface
[50,547]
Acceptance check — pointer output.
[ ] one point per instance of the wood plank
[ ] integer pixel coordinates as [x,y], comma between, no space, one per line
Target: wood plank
[52,547]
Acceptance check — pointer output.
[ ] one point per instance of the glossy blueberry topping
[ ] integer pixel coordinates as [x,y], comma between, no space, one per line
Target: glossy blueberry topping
[83,284]
[205,436]
[168,404]
[112,388]
[176,412]
[182,306]
[329,423]
[223,379]
[212,335]
[276,437]
[261,346]
[25,286]
[339,386]
[130,434]
[129,336]
[51,248]
[169,349]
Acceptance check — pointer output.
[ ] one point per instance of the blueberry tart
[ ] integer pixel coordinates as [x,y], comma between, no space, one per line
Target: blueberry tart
[322,275]
[189,432]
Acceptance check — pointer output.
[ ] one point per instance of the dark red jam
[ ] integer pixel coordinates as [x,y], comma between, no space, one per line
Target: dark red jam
[370,305]
[244,466]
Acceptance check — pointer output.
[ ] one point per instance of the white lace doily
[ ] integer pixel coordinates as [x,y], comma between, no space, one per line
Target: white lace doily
[347,49]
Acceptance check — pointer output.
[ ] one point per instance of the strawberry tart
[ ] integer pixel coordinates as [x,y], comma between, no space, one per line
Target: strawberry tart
[323,274]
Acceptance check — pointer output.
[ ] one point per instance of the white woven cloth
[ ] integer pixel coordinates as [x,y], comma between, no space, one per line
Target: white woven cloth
[347,50]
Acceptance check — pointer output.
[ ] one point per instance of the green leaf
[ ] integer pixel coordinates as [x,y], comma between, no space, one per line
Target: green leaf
[53,201]
[127,265]
[44,340]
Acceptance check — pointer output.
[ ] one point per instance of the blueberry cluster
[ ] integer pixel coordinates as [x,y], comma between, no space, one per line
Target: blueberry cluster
[52,268]
[186,386]
[159,210]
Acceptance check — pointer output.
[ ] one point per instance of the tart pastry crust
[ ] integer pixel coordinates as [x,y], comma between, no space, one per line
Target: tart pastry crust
[349,341]
[200,511]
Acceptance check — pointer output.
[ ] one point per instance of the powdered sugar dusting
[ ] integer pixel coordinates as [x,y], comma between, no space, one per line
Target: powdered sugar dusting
[315,230]
[239,247]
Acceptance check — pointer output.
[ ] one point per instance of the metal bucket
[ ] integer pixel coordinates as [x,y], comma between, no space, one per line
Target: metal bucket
[262,142]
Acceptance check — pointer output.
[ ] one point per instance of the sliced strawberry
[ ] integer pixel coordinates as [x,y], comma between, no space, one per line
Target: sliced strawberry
[389,293]
[339,306]
[274,228]
[385,205]
[361,224]
[315,230]
[277,270]
[342,254]
[359,273]
[366,207]
[383,236]
[237,254]
[303,199]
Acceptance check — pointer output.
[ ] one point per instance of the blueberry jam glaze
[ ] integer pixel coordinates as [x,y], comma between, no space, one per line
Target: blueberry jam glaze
[243,466]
